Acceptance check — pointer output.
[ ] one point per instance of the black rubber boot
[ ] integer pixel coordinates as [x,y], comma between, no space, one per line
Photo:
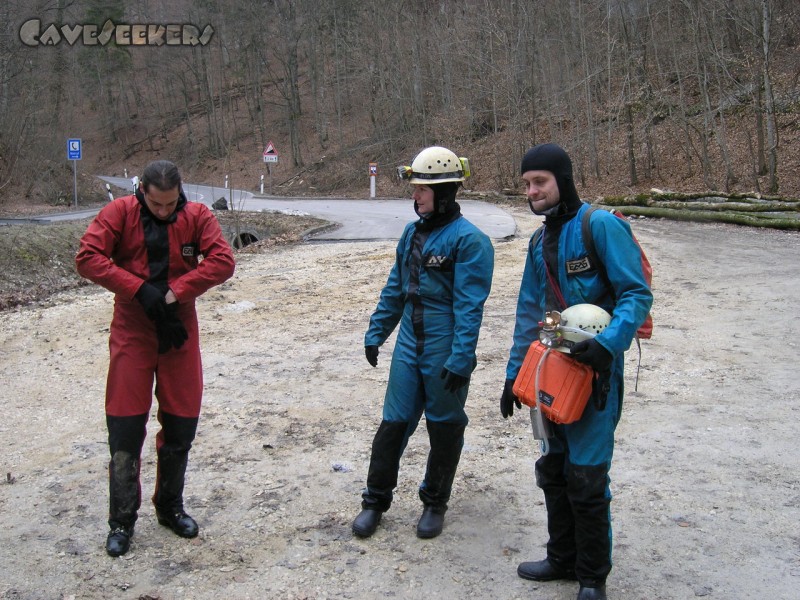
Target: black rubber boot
[387,448]
[544,570]
[592,593]
[366,522]
[125,438]
[551,478]
[431,522]
[447,440]
[590,506]
[173,458]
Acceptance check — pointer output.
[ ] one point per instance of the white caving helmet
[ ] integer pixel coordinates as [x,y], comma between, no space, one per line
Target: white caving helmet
[577,323]
[435,165]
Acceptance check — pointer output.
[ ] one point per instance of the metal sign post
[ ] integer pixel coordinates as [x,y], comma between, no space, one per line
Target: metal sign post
[74,152]
[270,158]
[373,172]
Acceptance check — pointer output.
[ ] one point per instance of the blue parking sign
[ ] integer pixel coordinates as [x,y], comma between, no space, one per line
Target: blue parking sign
[73,149]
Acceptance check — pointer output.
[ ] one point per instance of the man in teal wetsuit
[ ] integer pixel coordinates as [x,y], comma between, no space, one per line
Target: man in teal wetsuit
[436,291]
[558,274]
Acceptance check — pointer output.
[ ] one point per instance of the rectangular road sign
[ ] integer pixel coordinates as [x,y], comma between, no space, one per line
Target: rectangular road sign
[73,149]
[270,158]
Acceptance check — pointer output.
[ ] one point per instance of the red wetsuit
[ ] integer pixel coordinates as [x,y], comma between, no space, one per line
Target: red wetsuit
[124,247]
[113,253]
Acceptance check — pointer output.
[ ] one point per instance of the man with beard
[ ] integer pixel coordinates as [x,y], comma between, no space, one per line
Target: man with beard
[558,274]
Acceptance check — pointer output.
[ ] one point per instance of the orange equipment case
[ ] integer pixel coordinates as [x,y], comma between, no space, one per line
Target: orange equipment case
[565,385]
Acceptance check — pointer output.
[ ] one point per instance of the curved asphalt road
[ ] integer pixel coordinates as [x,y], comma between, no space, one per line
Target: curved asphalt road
[378,219]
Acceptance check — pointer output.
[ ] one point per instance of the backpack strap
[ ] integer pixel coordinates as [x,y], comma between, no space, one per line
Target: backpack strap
[588,242]
[536,235]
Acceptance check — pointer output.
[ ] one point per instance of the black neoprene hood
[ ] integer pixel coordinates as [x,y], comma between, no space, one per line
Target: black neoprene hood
[553,158]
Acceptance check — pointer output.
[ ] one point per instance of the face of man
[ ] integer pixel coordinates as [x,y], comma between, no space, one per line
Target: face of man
[161,203]
[423,196]
[541,189]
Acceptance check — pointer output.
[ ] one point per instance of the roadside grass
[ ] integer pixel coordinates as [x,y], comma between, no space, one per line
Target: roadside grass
[37,261]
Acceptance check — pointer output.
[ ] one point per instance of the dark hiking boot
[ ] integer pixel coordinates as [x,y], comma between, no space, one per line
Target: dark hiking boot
[544,570]
[118,541]
[181,523]
[366,522]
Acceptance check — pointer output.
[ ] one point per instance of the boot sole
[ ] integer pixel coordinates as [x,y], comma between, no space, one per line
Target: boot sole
[427,535]
[363,533]
[115,554]
[567,576]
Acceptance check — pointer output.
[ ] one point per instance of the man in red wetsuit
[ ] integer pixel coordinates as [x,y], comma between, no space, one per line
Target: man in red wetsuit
[157,253]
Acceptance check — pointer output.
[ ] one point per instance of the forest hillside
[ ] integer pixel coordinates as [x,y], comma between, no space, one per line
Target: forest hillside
[681,96]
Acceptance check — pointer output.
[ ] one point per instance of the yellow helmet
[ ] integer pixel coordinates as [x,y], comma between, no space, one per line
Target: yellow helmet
[435,165]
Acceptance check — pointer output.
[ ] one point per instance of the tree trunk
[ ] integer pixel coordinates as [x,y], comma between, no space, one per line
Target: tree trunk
[769,101]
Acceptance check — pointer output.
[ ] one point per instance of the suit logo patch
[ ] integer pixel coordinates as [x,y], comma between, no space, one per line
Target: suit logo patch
[579,265]
[188,250]
[439,263]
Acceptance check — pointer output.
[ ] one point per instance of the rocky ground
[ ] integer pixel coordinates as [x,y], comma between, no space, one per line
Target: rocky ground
[705,479]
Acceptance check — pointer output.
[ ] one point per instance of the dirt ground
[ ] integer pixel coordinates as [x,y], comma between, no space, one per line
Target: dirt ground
[705,477]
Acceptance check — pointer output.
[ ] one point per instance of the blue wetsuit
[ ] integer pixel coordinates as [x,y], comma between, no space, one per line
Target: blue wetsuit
[574,475]
[435,291]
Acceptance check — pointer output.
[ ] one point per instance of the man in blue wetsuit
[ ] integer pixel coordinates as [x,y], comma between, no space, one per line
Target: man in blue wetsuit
[558,274]
[436,291]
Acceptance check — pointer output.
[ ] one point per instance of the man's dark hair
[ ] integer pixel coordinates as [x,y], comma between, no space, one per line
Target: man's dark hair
[163,174]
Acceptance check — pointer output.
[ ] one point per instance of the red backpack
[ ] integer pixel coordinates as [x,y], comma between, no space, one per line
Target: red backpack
[645,332]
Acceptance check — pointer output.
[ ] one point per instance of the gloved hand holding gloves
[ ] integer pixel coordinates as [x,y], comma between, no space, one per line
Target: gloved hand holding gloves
[170,330]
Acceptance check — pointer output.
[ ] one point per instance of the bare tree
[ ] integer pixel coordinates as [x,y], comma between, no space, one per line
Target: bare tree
[769,99]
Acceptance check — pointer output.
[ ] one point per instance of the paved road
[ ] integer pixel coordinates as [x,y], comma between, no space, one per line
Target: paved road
[379,219]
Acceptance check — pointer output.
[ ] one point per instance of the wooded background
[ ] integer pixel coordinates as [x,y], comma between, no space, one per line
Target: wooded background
[684,95]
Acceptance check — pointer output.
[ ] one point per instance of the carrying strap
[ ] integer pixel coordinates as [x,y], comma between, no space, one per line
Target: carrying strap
[551,279]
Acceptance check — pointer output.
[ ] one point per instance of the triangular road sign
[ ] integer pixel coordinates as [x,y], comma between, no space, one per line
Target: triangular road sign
[270,150]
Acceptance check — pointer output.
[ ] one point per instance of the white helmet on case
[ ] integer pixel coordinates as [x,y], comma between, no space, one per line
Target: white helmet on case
[435,165]
[577,323]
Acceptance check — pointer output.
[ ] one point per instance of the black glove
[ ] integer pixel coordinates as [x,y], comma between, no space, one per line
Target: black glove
[170,330]
[508,400]
[372,355]
[452,381]
[592,353]
[164,337]
[152,300]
